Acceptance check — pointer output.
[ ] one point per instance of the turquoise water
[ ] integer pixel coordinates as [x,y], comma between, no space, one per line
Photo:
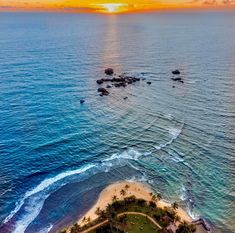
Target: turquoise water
[57,155]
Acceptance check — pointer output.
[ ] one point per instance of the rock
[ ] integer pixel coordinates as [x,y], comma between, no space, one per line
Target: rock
[82,101]
[109,71]
[108,86]
[173,86]
[99,81]
[149,83]
[118,80]
[106,79]
[177,79]
[103,91]
[143,79]
[176,72]
[125,98]
[122,84]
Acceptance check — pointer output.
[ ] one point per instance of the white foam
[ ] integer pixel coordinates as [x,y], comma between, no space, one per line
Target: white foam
[46,229]
[130,154]
[174,132]
[32,211]
[32,203]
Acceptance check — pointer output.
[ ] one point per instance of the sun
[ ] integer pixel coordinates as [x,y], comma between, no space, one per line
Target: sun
[112,7]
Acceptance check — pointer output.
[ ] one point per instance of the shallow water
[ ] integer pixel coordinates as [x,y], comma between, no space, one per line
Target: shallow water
[57,155]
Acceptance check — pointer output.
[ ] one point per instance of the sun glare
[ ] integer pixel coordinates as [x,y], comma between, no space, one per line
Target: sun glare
[112,7]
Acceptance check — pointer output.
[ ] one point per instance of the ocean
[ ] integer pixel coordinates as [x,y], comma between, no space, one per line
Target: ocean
[56,154]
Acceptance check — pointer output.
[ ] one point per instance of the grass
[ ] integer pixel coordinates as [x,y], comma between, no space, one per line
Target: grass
[140,224]
[135,224]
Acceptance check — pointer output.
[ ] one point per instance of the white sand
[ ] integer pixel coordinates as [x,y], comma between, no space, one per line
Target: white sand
[137,189]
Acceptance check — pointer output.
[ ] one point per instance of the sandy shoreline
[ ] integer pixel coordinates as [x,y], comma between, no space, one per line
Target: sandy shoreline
[138,189]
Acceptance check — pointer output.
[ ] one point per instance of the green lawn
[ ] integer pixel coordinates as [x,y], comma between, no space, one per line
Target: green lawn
[135,224]
[140,224]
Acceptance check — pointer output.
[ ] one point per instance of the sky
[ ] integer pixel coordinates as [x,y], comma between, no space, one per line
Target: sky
[112,6]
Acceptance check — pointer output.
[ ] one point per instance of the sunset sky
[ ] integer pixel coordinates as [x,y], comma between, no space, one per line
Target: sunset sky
[112,6]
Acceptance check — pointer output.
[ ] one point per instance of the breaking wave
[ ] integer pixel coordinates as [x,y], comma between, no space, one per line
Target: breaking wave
[29,207]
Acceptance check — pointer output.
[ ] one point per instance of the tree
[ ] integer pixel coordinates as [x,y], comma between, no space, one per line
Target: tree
[177,218]
[75,228]
[159,196]
[97,212]
[152,204]
[114,198]
[84,220]
[88,219]
[123,192]
[127,187]
[185,227]
[154,197]
[175,205]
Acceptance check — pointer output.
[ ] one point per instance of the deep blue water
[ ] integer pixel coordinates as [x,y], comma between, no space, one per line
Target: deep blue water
[57,155]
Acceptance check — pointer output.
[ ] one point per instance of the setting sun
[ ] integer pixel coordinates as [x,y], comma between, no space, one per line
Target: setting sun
[112,7]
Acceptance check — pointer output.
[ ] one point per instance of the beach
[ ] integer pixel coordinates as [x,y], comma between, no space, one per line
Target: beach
[137,189]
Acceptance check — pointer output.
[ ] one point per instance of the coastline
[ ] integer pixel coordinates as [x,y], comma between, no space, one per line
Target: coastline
[138,189]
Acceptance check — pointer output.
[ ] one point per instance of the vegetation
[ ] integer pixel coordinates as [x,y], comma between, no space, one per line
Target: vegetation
[185,227]
[114,219]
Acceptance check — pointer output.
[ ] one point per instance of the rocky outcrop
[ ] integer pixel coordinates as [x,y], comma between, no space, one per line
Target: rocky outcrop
[176,72]
[109,71]
[103,91]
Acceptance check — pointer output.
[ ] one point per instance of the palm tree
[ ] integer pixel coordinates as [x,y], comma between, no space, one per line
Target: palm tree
[75,228]
[154,198]
[175,205]
[159,196]
[185,227]
[97,212]
[177,218]
[84,219]
[127,187]
[123,192]
[114,198]
[88,219]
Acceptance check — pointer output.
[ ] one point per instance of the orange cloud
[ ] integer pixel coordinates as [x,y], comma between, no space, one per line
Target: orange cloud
[109,6]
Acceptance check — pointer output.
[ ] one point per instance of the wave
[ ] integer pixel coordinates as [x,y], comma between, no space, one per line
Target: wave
[46,229]
[130,154]
[187,198]
[174,132]
[32,203]
[30,206]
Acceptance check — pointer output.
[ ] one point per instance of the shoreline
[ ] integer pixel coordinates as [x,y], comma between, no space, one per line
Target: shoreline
[140,190]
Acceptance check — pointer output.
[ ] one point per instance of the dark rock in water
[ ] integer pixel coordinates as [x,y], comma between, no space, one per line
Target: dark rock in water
[109,71]
[82,101]
[118,80]
[173,86]
[181,81]
[125,98]
[108,86]
[106,79]
[149,83]
[99,81]
[103,91]
[177,79]
[143,79]
[176,72]
[122,84]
